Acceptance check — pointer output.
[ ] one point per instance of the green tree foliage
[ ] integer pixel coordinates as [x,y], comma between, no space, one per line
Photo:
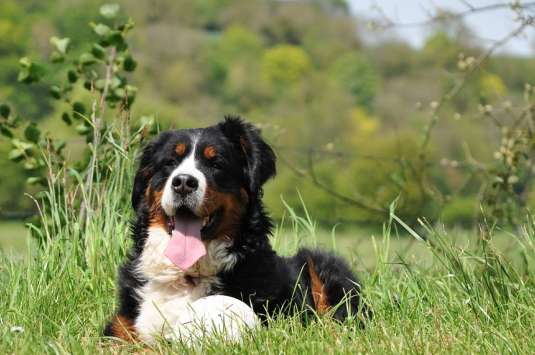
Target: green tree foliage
[441,50]
[356,75]
[285,65]
[297,69]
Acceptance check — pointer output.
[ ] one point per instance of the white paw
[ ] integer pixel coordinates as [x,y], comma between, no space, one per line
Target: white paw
[217,316]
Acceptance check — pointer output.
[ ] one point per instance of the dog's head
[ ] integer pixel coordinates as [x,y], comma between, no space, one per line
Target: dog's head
[208,175]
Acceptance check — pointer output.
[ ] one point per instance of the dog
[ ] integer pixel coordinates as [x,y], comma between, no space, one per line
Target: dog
[204,187]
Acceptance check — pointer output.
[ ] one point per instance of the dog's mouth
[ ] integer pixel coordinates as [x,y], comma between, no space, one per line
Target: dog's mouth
[185,221]
[187,231]
[185,247]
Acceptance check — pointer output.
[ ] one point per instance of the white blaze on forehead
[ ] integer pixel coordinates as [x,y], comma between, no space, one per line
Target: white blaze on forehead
[170,200]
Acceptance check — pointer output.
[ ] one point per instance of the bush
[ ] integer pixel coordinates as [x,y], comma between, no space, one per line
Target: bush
[460,211]
[285,65]
[356,75]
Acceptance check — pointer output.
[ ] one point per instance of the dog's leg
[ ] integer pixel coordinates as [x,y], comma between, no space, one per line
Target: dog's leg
[122,328]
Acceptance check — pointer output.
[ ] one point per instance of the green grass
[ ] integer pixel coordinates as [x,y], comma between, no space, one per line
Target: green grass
[13,236]
[457,293]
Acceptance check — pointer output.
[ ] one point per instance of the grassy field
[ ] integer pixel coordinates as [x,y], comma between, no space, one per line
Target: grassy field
[458,295]
[13,237]
[456,292]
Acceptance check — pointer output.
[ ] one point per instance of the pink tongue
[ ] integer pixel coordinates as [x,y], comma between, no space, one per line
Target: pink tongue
[185,246]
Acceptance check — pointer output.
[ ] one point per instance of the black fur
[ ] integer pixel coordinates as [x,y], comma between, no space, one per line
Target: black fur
[270,283]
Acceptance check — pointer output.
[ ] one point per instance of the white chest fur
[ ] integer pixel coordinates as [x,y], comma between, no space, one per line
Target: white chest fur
[167,295]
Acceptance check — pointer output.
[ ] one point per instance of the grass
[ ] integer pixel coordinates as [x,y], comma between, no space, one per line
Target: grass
[457,292]
[13,236]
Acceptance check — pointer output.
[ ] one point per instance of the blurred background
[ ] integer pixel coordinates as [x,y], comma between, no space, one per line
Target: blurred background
[364,102]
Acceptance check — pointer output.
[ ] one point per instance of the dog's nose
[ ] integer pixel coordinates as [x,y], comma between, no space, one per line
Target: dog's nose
[184,184]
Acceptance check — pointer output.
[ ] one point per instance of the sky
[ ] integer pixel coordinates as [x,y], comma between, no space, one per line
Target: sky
[488,26]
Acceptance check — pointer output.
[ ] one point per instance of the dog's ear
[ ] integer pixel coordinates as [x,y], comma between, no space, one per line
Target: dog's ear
[258,155]
[143,175]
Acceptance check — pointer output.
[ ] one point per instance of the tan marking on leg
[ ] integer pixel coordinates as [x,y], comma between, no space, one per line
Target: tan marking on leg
[123,328]
[318,289]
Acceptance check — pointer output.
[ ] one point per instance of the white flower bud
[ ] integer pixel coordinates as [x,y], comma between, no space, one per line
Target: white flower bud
[512,179]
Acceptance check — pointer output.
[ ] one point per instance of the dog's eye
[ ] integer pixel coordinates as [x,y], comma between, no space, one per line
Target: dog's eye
[170,162]
[216,165]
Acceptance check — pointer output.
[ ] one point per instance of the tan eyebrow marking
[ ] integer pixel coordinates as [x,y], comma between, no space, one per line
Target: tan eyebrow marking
[209,152]
[180,149]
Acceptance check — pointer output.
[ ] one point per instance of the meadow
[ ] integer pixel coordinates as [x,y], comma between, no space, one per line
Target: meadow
[340,112]
[455,292]
[12,236]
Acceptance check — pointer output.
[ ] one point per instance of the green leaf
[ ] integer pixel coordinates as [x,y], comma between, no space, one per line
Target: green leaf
[57,57]
[78,108]
[24,146]
[6,132]
[109,10]
[146,120]
[127,26]
[66,118]
[30,164]
[13,121]
[82,129]
[131,92]
[98,51]
[25,62]
[115,38]
[72,76]
[32,133]
[87,59]
[131,89]
[61,44]
[120,93]
[59,145]
[55,92]
[129,63]
[88,85]
[101,29]
[34,180]
[99,84]
[115,82]
[16,155]
[5,110]
[30,72]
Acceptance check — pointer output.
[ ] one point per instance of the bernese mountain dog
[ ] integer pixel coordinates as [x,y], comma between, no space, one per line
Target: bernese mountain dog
[202,189]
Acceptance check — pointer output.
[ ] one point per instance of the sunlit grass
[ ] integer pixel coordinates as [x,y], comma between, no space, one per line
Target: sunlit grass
[460,292]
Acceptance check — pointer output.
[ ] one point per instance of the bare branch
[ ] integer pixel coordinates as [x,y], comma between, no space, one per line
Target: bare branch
[386,22]
[460,84]
[310,174]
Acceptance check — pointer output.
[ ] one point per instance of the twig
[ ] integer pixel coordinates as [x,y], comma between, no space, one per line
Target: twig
[441,14]
[337,153]
[311,175]
[96,123]
[460,84]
